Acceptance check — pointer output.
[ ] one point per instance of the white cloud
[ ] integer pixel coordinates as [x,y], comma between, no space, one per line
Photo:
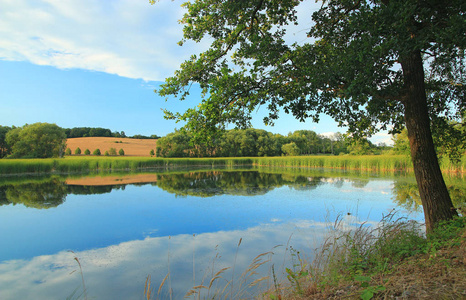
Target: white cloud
[129,38]
[382,137]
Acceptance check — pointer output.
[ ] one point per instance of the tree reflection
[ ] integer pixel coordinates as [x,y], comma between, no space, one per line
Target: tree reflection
[37,195]
[240,183]
[3,199]
[52,191]
[406,194]
[91,189]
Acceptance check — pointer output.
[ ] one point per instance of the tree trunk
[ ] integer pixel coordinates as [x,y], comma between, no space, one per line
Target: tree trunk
[432,189]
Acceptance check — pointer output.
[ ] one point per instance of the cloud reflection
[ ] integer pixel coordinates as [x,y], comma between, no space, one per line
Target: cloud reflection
[119,271]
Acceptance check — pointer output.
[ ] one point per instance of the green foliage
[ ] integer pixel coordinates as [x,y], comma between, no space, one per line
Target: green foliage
[78,151]
[121,152]
[89,132]
[112,152]
[401,143]
[297,273]
[5,149]
[290,149]
[106,153]
[68,151]
[96,152]
[369,291]
[139,136]
[446,234]
[349,69]
[360,147]
[151,153]
[87,152]
[38,140]
[250,142]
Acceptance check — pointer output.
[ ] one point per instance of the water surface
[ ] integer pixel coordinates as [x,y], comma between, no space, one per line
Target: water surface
[186,224]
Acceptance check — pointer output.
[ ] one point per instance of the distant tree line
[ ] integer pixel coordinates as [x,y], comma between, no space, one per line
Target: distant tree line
[258,142]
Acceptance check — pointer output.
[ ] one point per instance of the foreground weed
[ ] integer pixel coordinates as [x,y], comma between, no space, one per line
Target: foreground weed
[82,280]
[446,234]
[298,272]
[368,291]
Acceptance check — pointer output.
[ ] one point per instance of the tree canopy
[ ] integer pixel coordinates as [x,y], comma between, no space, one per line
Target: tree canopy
[370,64]
[38,140]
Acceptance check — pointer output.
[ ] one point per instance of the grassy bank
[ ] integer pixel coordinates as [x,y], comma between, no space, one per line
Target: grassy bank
[376,163]
[392,261]
[92,163]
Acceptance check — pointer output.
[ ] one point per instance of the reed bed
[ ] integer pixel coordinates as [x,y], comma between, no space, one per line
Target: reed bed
[347,162]
[453,166]
[81,164]
[372,163]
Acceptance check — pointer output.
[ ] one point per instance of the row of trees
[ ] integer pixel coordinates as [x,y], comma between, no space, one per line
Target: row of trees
[258,142]
[101,132]
[111,152]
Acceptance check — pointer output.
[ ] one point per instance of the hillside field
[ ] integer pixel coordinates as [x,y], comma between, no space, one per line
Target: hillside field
[132,147]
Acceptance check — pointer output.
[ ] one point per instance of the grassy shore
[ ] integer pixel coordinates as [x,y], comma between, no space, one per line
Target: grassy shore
[377,163]
[393,261]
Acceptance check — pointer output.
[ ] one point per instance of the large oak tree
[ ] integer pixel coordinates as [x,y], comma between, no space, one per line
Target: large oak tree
[370,64]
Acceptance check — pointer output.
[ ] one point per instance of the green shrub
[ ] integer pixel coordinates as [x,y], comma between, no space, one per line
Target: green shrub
[121,152]
[152,153]
[77,151]
[96,152]
[112,151]
[87,152]
[68,151]
[106,153]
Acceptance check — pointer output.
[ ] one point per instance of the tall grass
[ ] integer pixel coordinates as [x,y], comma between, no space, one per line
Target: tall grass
[371,163]
[80,164]
[364,162]
[383,262]
[452,166]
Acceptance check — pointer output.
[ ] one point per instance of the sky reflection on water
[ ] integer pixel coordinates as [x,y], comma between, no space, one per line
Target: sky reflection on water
[124,235]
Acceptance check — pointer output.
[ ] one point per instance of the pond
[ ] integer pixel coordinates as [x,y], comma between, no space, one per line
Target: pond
[102,236]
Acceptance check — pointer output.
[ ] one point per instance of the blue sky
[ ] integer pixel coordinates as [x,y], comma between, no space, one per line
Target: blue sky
[94,63]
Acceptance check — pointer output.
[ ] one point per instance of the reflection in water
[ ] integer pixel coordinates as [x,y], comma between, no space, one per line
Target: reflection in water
[122,233]
[240,183]
[37,195]
[118,272]
[406,193]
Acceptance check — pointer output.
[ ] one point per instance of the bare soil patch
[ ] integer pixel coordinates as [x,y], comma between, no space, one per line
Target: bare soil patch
[132,147]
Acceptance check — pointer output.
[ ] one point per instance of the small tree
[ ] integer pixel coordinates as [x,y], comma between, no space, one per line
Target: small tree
[152,153]
[106,153]
[121,152]
[112,151]
[68,151]
[96,152]
[87,152]
[77,151]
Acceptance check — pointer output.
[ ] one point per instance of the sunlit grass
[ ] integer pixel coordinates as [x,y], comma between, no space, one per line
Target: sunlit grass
[376,163]
[347,162]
